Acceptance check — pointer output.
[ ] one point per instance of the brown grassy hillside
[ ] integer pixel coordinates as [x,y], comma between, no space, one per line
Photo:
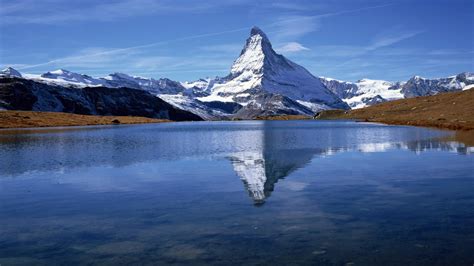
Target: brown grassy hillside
[454,110]
[17,119]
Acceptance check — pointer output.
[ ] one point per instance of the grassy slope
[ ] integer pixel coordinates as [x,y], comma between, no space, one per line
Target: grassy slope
[454,110]
[283,117]
[21,119]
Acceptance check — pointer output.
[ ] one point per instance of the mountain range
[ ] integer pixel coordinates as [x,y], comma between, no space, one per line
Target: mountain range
[260,83]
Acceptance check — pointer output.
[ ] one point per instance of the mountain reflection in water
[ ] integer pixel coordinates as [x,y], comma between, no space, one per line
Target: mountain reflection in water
[261,152]
[261,169]
[334,193]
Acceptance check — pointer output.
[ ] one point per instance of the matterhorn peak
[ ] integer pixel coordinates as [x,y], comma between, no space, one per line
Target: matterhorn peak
[257,31]
[256,53]
[261,77]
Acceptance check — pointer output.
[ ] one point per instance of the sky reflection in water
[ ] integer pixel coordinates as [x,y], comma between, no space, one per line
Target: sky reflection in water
[236,192]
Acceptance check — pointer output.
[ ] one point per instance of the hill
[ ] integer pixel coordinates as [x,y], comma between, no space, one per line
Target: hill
[23,119]
[452,110]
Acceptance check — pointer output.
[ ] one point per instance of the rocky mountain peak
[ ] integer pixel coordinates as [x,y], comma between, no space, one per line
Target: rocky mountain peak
[257,55]
[257,31]
[10,71]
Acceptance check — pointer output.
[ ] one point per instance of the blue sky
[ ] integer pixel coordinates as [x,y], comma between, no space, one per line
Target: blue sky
[187,40]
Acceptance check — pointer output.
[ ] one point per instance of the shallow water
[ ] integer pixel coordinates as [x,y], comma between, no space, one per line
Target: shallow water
[257,192]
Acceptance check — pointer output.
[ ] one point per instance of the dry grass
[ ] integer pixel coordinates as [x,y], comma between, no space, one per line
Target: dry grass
[454,110]
[284,117]
[22,119]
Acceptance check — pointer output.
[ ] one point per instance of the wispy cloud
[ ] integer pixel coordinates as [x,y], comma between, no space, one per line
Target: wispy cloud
[382,45]
[127,50]
[288,27]
[56,11]
[222,48]
[295,6]
[391,39]
[294,27]
[292,47]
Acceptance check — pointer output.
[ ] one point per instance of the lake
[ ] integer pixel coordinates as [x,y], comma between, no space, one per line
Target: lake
[249,192]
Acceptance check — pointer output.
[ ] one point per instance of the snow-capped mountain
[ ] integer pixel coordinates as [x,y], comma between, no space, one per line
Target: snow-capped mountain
[260,75]
[156,86]
[367,92]
[30,95]
[203,87]
[10,72]
[62,76]
[418,86]
[260,83]
[364,92]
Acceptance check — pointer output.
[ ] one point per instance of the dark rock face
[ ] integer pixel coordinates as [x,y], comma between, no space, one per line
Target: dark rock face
[226,107]
[374,100]
[21,94]
[342,89]
[20,98]
[266,104]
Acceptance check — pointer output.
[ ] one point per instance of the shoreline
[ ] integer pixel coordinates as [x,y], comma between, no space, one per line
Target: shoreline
[33,119]
[12,119]
[450,110]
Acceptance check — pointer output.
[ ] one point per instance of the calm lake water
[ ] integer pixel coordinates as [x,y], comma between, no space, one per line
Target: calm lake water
[256,192]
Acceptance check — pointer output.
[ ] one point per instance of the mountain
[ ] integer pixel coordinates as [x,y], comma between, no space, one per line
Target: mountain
[10,72]
[23,94]
[368,92]
[418,86]
[261,170]
[115,80]
[450,110]
[261,77]
[260,83]
[364,92]
[64,77]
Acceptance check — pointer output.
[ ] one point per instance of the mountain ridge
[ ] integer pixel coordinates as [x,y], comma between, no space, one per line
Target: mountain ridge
[261,82]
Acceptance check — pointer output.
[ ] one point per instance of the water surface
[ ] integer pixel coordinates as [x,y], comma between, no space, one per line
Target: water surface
[257,192]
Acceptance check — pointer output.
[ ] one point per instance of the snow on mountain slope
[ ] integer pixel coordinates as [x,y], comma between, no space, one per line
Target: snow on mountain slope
[364,92]
[418,86]
[10,72]
[372,92]
[468,87]
[155,86]
[116,80]
[260,70]
[203,87]
[190,104]
[65,76]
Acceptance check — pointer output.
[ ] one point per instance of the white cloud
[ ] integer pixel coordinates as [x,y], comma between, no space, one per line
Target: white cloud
[391,39]
[294,27]
[292,47]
